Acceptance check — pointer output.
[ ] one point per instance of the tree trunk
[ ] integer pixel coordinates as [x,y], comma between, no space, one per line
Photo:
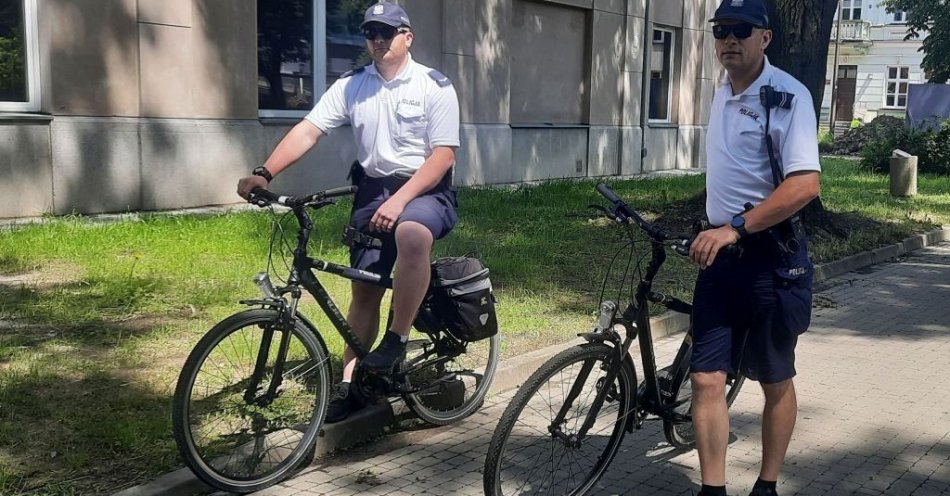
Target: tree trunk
[801,33]
[801,36]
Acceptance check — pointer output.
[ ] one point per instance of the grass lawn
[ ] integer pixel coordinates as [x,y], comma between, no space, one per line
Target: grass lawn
[96,318]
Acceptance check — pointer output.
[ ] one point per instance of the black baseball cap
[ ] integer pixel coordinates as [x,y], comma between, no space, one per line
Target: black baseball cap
[751,11]
[387,13]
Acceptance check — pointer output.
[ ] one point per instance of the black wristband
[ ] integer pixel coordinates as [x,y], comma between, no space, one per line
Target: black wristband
[263,172]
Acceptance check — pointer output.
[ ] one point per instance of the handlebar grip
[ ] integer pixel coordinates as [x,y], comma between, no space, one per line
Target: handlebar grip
[344,191]
[263,194]
[608,193]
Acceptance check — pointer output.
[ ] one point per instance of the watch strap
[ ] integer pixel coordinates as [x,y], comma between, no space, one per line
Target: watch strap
[263,172]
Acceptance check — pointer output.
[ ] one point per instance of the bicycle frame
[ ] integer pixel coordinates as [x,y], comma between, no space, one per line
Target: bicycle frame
[302,274]
[635,319]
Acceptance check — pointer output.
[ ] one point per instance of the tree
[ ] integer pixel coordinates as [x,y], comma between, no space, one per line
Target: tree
[932,19]
[801,35]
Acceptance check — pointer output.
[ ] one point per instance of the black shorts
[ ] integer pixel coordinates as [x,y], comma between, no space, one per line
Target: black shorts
[749,310]
[434,209]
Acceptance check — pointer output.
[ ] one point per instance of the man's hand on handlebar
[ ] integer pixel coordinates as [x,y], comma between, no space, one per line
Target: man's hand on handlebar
[250,183]
[707,245]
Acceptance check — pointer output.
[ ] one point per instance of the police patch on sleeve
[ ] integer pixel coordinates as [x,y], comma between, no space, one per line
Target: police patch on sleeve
[439,78]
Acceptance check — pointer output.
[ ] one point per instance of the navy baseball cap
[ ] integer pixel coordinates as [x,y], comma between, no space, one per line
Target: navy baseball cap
[387,13]
[751,11]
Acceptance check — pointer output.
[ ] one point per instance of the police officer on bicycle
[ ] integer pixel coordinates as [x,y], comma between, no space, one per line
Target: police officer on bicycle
[405,118]
[751,304]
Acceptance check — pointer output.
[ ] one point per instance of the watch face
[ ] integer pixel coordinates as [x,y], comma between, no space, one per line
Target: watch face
[738,221]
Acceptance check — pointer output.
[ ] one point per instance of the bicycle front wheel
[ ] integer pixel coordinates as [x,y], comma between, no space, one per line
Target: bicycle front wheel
[453,377]
[233,428]
[531,452]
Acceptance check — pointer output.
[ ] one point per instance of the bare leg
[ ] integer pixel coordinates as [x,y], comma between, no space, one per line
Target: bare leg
[363,317]
[711,421]
[778,422]
[411,281]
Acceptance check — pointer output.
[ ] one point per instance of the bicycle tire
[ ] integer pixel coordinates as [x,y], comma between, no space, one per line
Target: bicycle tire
[504,455]
[451,401]
[269,441]
[681,434]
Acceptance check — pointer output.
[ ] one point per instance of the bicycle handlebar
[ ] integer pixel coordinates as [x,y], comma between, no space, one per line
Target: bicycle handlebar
[262,197]
[658,234]
[681,242]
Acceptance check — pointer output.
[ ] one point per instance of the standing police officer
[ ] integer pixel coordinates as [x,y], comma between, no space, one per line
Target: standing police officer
[750,305]
[405,118]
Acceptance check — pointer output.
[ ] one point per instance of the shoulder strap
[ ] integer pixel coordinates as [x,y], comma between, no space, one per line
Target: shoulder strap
[439,78]
[352,72]
[771,98]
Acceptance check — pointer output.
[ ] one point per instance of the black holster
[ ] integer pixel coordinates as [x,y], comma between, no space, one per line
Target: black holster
[356,173]
[789,234]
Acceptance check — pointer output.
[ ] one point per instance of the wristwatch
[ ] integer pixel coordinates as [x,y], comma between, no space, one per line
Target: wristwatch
[738,223]
[263,172]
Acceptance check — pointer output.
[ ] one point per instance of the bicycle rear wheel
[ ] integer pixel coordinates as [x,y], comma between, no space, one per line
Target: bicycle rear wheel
[681,434]
[528,454]
[233,435]
[453,376]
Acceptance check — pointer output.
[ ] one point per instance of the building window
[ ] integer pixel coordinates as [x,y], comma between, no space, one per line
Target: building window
[19,72]
[851,10]
[549,28]
[896,87]
[661,75]
[303,46]
[900,16]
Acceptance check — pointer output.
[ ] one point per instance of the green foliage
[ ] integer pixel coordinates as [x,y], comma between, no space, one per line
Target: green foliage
[853,141]
[12,69]
[933,18]
[932,147]
[826,141]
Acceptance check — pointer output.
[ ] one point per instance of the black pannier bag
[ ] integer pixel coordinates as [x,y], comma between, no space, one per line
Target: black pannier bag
[462,298]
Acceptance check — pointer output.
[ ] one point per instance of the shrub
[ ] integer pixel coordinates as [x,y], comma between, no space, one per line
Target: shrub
[932,147]
[854,140]
[825,141]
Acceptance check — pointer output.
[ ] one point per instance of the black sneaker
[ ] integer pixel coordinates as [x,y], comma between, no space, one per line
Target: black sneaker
[760,490]
[389,352]
[342,403]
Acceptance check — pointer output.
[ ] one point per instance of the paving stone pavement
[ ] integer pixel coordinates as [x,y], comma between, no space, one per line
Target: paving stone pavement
[874,410]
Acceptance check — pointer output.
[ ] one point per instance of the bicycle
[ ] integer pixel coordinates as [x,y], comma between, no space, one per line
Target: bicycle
[554,437]
[252,395]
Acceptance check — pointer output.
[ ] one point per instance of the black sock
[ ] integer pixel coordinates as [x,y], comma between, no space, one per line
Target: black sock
[712,491]
[762,484]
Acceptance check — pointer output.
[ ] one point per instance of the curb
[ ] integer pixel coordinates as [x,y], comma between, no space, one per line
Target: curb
[883,254]
[372,422]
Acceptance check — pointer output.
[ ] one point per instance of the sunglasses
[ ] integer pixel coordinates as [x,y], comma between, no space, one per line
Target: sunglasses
[385,31]
[740,31]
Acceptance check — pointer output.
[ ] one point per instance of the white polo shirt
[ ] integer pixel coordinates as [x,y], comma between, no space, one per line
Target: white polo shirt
[737,159]
[396,123]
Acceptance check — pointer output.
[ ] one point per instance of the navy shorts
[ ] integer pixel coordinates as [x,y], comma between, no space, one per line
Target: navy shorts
[434,209]
[749,309]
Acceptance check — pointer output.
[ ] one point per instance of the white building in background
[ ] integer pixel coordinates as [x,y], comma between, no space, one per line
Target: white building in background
[875,63]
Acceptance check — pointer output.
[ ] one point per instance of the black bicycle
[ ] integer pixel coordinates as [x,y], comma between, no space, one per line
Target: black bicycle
[566,422]
[253,393]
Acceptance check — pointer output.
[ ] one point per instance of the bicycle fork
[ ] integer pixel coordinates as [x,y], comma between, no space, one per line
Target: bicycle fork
[602,333]
[287,322]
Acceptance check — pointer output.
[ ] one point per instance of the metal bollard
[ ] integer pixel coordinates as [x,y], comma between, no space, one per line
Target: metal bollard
[903,174]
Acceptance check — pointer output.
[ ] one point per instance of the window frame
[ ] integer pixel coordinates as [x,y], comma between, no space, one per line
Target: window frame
[903,17]
[32,65]
[897,88]
[849,10]
[319,64]
[669,93]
